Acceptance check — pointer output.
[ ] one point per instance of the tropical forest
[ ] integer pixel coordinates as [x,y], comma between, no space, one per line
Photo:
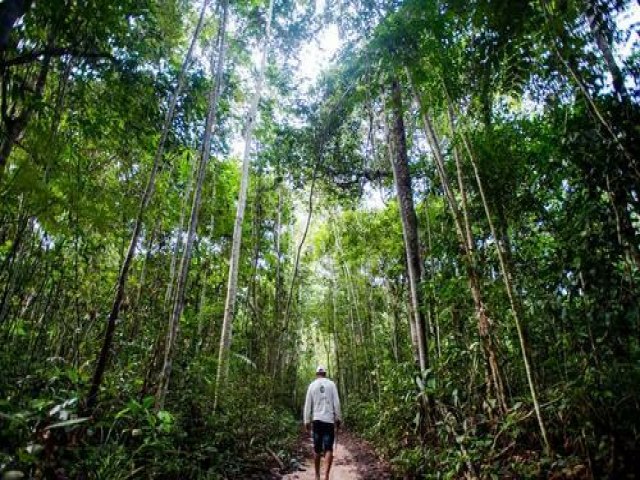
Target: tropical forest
[206,204]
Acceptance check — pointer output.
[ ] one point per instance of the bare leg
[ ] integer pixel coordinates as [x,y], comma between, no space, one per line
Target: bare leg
[317,458]
[329,460]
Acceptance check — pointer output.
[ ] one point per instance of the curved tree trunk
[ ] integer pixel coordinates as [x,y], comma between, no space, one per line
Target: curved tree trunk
[495,383]
[508,283]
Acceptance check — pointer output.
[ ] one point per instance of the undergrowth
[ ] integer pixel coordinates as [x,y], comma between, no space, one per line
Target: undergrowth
[471,441]
[46,436]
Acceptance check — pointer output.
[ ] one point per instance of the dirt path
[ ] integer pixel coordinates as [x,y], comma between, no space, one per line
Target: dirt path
[353,459]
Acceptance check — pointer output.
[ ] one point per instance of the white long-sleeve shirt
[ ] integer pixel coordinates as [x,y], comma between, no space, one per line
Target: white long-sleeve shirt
[322,402]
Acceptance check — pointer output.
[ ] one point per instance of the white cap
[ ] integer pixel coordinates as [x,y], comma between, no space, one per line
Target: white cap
[321,369]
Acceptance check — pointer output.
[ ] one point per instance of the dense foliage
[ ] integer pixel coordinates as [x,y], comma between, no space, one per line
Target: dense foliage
[522,146]
[88,85]
[448,219]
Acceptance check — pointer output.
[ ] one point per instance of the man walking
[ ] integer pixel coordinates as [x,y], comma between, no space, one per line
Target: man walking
[322,406]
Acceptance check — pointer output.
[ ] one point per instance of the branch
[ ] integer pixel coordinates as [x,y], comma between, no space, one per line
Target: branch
[502,452]
[55,52]
[276,458]
[348,179]
[299,251]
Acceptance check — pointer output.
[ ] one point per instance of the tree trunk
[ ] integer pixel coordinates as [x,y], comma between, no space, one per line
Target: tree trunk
[506,276]
[22,232]
[178,304]
[495,383]
[393,316]
[402,180]
[15,126]
[571,65]
[229,307]
[296,265]
[199,343]
[168,297]
[137,312]
[355,303]
[277,300]
[506,273]
[597,25]
[433,306]
[256,233]
[342,371]
[10,12]
[144,203]
[626,232]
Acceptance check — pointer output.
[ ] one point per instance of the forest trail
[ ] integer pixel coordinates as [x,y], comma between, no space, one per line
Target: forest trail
[434,199]
[353,459]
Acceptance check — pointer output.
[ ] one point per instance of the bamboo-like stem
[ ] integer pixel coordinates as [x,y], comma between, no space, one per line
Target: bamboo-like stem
[234,260]
[508,283]
[121,283]
[178,304]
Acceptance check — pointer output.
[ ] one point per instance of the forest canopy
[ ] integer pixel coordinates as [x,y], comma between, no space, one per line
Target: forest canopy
[202,200]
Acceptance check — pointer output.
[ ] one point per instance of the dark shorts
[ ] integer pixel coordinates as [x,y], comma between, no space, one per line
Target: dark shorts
[323,436]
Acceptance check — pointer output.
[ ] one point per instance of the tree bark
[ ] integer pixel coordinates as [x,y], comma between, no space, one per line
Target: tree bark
[402,180]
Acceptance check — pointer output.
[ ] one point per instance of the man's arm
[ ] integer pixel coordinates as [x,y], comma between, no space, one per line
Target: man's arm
[306,413]
[336,405]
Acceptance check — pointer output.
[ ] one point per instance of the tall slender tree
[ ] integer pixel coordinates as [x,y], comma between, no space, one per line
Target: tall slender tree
[404,191]
[217,66]
[232,285]
[121,283]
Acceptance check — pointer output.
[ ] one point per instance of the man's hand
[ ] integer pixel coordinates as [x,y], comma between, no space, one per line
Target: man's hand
[307,427]
[338,424]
